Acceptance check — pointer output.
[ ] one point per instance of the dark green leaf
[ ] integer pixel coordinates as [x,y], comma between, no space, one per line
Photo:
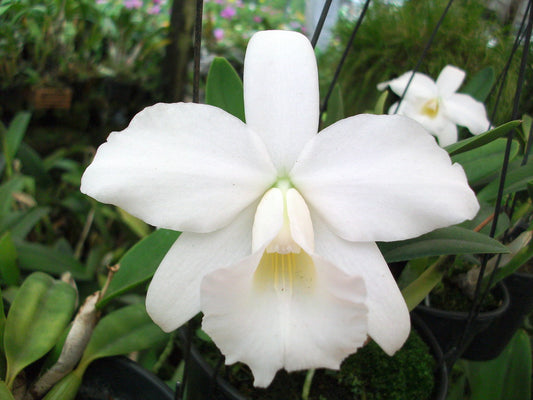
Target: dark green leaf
[515,181]
[506,377]
[6,194]
[480,140]
[5,393]
[20,223]
[485,162]
[8,261]
[39,314]
[37,257]
[14,134]
[139,263]
[120,332]
[224,88]
[33,165]
[451,240]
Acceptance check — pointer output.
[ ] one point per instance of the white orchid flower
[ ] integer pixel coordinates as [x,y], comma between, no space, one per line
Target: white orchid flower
[279,224]
[437,106]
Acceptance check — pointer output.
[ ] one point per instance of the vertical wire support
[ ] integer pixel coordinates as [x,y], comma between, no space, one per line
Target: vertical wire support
[343,59]
[320,25]
[478,296]
[195,99]
[197,50]
[423,55]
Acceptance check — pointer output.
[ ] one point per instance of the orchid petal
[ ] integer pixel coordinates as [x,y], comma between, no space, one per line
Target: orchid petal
[464,110]
[187,167]
[314,321]
[388,316]
[447,134]
[281,93]
[450,79]
[301,225]
[386,179]
[268,219]
[174,294]
[421,86]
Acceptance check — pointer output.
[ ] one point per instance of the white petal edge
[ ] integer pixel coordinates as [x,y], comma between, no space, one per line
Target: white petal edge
[450,80]
[316,325]
[421,86]
[186,167]
[382,178]
[388,317]
[464,110]
[447,134]
[281,93]
[174,294]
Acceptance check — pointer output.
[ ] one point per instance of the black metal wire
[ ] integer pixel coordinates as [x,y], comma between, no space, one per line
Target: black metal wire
[197,50]
[343,59]
[424,53]
[320,25]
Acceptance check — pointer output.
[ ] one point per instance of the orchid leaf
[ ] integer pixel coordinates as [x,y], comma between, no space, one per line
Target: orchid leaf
[66,388]
[485,162]
[6,194]
[37,317]
[444,241]
[380,104]
[13,136]
[224,88]
[418,289]
[9,271]
[20,223]
[335,110]
[479,140]
[37,257]
[33,165]
[140,228]
[480,84]
[123,331]
[5,394]
[506,377]
[139,264]
[515,181]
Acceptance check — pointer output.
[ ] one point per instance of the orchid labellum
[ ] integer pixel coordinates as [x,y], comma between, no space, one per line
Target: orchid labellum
[279,224]
[436,105]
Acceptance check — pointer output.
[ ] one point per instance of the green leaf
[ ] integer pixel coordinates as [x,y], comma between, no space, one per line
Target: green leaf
[480,140]
[515,181]
[14,134]
[417,290]
[66,388]
[139,264]
[37,257]
[33,165]
[40,312]
[506,377]
[6,194]
[380,104]
[120,332]
[480,84]
[485,162]
[5,394]
[519,258]
[140,228]
[8,261]
[27,221]
[335,110]
[224,88]
[451,240]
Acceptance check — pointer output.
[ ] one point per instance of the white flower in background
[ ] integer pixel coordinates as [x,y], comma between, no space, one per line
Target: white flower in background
[437,106]
[279,224]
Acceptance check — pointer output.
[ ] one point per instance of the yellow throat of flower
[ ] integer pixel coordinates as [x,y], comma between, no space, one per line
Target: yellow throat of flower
[431,108]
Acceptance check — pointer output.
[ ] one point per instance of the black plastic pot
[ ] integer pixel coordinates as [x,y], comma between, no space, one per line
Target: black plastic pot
[119,378]
[201,385]
[448,327]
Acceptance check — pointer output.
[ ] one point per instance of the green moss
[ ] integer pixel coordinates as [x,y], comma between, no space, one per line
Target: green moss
[373,375]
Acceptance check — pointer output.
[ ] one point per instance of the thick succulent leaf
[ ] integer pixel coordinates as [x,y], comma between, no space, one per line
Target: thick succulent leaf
[139,263]
[5,394]
[224,88]
[39,314]
[451,240]
[120,332]
[480,140]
